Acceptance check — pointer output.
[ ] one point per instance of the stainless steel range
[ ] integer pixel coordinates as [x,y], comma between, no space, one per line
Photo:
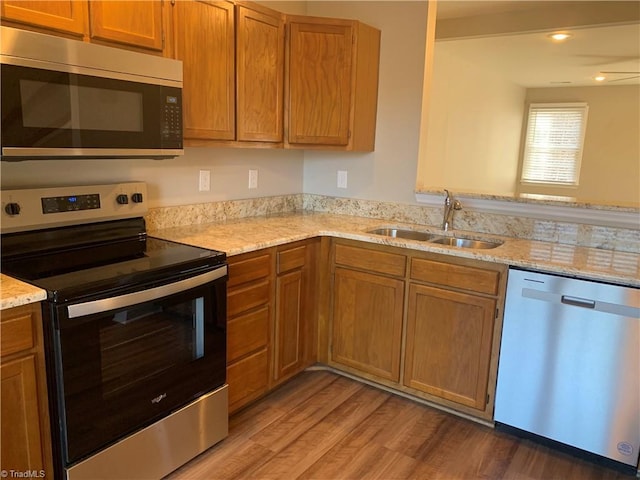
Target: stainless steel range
[135,330]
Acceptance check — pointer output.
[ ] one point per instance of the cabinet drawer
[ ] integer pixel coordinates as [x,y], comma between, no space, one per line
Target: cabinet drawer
[17,333]
[247,379]
[244,271]
[372,260]
[247,333]
[244,299]
[291,259]
[456,276]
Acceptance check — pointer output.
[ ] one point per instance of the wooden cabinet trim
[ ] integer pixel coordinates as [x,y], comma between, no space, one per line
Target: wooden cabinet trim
[247,333]
[244,270]
[291,259]
[475,279]
[244,299]
[372,260]
[17,333]
[248,379]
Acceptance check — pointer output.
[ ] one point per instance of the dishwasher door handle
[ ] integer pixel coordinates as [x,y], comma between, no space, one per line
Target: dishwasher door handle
[578,302]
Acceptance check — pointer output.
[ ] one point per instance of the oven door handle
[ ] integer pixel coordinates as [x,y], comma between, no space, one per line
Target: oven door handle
[128,299]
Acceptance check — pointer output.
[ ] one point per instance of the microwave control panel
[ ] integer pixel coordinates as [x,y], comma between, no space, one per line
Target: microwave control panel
[172,118]
[35,208]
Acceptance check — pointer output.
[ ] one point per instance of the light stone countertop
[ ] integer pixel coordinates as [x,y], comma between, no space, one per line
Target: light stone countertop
[14,293]
[249,234]
[253,233]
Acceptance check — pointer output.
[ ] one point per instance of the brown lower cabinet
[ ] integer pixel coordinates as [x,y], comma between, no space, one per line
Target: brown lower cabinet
[271,318]
[26,438]
[422,323]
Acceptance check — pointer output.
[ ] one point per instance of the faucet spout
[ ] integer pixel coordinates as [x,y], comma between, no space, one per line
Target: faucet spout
[450,205]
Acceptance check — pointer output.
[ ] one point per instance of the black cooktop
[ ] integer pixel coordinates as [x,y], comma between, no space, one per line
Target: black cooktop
[73,263]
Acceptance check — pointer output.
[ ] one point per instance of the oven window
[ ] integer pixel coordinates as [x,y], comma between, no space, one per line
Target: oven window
[143,342]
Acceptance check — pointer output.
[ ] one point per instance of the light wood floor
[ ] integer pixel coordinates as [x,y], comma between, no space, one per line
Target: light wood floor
[323,426]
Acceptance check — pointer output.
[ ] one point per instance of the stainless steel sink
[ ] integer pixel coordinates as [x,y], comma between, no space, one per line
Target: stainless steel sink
[435,238]
[404,233]
[466,242]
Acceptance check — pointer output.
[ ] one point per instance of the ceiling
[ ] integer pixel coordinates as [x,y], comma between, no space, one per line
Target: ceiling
[530,58]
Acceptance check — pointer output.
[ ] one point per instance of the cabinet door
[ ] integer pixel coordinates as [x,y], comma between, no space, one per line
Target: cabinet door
[448,345]
[260,75]
[21,438]
[135,23]
[320,73]
[367,322]
[204,41]
[290,341]
[61,15]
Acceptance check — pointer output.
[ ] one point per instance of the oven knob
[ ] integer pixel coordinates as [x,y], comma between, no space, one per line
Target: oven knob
[136,198]
[12,209]
[122,199]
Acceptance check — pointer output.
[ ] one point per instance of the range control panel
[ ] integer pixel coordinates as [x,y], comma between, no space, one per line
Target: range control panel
[34,208]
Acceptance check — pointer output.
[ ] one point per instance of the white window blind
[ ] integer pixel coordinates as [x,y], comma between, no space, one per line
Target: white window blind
[553,145]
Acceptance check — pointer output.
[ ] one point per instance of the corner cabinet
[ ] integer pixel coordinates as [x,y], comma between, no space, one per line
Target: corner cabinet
[271,318]
[332,83]
[26,438]
[296,308]
[422,323]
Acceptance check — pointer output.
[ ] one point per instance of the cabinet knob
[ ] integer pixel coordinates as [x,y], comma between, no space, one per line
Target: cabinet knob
[12,209]
[122,199]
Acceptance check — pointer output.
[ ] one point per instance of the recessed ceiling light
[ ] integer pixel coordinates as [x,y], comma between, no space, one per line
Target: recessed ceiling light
[559,37]
[599,78]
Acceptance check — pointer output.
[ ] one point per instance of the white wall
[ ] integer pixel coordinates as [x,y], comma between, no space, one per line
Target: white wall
[472,139]
[173,181]
[389,173]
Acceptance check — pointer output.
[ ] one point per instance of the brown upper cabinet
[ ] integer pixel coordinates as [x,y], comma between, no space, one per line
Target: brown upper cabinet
[204,41]
[332,83]
[68,16]
[134,24]
[137,24]
[233,61]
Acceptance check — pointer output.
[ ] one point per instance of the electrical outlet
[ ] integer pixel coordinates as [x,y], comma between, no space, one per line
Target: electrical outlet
[342,179]
[204,184]
[253,178]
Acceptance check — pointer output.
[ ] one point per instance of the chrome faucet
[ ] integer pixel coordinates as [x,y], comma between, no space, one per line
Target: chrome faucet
[450,204]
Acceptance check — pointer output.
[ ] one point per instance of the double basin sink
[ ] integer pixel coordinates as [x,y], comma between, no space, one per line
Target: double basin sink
[460,242]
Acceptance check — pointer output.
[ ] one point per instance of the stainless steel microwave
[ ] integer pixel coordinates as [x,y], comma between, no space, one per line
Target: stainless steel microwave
[70,99]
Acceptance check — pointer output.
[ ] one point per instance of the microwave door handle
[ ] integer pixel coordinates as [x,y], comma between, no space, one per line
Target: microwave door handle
[128,299]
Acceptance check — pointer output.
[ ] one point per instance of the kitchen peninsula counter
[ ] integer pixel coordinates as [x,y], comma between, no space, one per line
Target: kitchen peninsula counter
[254,233]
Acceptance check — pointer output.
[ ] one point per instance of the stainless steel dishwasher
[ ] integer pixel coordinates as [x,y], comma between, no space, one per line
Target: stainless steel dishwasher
[569,366]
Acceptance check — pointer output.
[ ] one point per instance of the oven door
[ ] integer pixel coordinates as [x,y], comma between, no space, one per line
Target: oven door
[48,113]
[124,362]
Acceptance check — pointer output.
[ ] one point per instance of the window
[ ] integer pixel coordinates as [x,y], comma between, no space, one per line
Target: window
[553,144]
